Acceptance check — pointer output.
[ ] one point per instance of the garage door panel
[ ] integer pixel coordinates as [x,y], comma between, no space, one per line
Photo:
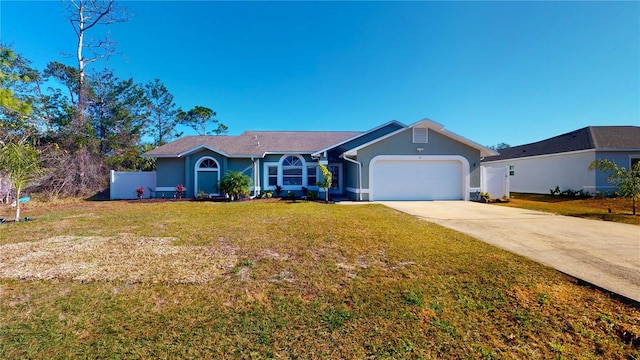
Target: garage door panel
[417,180]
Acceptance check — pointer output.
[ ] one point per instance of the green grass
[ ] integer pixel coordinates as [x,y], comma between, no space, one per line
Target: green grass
[283,280]
[607,209]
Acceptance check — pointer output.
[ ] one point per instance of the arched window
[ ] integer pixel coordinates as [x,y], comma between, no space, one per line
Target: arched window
[208,164]
[292,170]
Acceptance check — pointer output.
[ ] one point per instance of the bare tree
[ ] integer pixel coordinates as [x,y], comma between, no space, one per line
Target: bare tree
[84,15]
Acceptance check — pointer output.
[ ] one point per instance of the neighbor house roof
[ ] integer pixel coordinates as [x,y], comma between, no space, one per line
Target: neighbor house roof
[254,143]
[591,137]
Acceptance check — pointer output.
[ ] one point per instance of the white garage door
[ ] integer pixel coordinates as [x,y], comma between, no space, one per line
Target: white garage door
[416,179]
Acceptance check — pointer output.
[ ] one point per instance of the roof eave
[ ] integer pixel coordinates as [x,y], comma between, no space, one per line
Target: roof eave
[200,147]
[319,152]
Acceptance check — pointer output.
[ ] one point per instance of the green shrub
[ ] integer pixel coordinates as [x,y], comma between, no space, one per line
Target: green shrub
[236,184]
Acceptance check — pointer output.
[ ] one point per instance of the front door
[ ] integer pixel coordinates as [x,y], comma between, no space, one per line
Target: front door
[336,179]
[207,175]
[207,182]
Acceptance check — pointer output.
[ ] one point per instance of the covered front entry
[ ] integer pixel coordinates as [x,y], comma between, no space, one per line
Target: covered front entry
[418,178]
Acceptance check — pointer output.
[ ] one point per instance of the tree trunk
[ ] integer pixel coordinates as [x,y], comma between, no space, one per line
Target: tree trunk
[79,123]
[17,205]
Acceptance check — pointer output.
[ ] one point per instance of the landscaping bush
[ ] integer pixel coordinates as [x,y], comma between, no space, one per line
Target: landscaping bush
[235,184]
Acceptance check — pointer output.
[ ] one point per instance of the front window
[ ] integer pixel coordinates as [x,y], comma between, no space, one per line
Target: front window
[273,175]
[292,171]
[512,170]
[311,175]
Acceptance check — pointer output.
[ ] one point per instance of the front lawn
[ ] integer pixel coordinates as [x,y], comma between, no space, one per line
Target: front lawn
[267,279]
[608,209]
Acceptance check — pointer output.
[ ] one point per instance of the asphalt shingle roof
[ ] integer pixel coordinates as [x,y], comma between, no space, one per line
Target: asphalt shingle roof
[256,143]
[591,137]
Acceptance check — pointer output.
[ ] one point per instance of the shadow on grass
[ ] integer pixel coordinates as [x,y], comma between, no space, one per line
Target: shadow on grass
[621,218]
[103,195]
[545,198]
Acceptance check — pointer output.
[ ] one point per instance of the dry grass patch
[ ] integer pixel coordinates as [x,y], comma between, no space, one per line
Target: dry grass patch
[124,258]
[607,209]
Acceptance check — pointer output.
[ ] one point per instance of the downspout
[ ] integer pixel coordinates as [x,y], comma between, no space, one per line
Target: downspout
[256,177]
[359,174]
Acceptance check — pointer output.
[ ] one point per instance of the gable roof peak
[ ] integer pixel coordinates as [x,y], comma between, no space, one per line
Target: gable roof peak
[428,123]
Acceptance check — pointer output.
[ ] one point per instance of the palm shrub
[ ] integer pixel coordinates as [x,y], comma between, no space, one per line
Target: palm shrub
[236,184]
[20,161]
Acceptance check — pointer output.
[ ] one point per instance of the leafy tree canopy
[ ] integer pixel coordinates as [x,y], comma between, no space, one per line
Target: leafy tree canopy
[500,146]
[200,119]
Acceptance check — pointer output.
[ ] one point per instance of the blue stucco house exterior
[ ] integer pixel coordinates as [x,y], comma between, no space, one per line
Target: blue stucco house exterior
[393,161]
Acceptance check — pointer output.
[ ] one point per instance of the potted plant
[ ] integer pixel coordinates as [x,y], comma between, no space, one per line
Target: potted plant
[139,192]
[485,196]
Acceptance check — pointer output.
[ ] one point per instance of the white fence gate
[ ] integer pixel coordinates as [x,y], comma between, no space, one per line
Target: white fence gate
[123,184]
[495,181]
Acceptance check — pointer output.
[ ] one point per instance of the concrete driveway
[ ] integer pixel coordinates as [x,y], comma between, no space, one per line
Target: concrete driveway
[605,254]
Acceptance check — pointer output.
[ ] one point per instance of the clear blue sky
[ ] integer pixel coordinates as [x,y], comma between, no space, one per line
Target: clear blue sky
[493,72]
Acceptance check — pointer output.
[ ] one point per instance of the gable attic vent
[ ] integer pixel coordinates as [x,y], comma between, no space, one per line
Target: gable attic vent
[420,135]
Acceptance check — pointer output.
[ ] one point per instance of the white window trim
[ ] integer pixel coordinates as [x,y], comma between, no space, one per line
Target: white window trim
[306,179]
[305,164]
[197,169]
[418,138]
[281,171]
[265,177]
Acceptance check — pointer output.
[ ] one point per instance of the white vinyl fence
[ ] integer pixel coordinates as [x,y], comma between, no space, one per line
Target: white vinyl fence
[495,181]
[123,184]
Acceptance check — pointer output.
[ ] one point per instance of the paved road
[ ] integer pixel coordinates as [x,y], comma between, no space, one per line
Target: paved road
[603,253]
